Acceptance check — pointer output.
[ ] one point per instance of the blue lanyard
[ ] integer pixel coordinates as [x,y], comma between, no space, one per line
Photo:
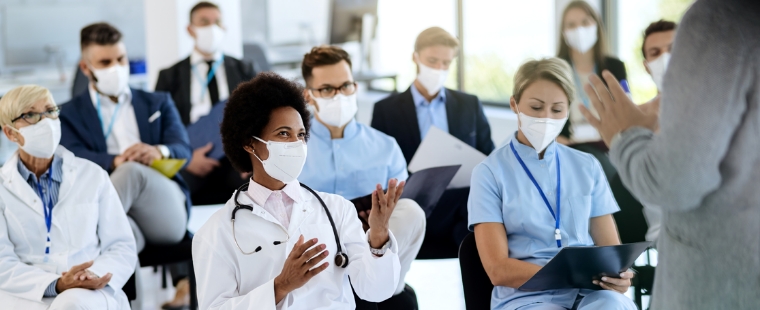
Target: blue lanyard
[209,76]
[47,208]
[107,131]
[579,85]
[557,234]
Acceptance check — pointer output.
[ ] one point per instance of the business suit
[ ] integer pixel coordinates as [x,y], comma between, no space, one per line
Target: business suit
[396,116]
[82,134]
[214,188]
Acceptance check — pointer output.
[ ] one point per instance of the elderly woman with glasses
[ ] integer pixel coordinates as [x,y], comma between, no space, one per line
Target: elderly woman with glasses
[65,242]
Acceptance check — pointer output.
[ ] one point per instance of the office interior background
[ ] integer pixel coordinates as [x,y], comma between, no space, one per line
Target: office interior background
[39,44]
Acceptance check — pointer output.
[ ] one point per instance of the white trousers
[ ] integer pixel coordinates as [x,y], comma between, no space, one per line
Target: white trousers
[407,223]
[73,299]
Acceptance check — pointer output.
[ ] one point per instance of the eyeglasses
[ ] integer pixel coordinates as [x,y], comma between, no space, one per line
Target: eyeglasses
[349,88]
[32,118]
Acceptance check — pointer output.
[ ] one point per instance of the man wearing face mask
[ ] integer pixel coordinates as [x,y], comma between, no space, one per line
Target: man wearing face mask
[658,42]
[197,83]
[351,159]
[124,130]
[408,116]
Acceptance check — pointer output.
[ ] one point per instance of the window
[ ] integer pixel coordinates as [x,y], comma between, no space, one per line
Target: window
[633,18]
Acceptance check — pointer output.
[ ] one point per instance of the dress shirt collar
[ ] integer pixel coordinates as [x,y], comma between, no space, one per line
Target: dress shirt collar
[321,131]
[197,58]
[527,152]
[125,97]
[420,101]
[57,166]
[260,194]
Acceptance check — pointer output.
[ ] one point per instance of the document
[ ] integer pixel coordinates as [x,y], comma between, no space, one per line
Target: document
[439,148]
[206,130]
[577,267]
[168,167]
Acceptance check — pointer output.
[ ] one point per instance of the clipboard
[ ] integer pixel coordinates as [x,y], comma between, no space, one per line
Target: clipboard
[169,166]
[576,267]
[206,130]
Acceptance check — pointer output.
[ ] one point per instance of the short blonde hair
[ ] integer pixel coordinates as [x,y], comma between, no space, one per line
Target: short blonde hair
[550,69]
[435,36]
[15,101]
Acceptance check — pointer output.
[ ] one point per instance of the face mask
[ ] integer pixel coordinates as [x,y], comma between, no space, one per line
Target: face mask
[540,131]
[41,139]
[209,39]
[111,81]
[657,68]
[581,38]
[286,159]
[336,111]
[431,79]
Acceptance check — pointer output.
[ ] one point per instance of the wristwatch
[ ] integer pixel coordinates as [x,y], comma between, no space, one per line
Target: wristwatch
[164,151]
[380,251]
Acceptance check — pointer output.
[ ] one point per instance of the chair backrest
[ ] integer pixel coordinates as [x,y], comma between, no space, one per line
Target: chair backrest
[477,285]
[254,53]
[631,223]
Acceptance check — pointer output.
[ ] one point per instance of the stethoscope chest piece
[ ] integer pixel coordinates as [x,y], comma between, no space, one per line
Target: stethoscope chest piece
[341,260]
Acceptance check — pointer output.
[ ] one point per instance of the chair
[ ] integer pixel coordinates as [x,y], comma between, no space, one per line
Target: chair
[477,285]
[160,255]
[254,53]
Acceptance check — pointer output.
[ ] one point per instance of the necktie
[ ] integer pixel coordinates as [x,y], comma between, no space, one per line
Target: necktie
[213,89]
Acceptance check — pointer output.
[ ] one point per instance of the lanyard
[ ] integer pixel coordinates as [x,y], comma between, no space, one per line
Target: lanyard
[47,208]
[211,73]
[557,235]
[579,85]
[107,131]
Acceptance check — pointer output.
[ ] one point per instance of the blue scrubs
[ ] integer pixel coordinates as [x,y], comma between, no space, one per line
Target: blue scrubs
[501,192]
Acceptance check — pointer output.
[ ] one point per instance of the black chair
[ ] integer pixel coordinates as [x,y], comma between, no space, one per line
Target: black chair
[254,53]
[477,285]
[162,255]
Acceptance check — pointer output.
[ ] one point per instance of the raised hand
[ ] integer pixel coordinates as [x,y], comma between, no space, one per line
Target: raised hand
[299,267]
[383,205]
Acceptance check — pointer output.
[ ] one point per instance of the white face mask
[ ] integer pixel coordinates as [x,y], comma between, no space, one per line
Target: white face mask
[209,39]
[431,79]
[286,159]
[540,131]
[112,81]
[41,139]
[581,38]
[336,111]
[657,68]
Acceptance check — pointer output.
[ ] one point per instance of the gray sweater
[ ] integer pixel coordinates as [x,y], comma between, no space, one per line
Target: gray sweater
[703,167]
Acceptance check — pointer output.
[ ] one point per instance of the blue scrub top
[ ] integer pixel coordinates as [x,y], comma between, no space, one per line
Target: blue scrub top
[501,192]
[353,165]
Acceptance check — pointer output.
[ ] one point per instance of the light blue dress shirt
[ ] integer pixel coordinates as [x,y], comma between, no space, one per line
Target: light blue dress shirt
[430,113]
[354,165]
[501,192]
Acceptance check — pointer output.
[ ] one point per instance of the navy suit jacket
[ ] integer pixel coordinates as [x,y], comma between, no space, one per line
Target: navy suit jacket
[82,133]
[396,116]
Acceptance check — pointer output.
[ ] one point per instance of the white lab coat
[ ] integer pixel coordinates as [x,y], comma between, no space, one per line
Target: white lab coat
[89,223]
[228,279]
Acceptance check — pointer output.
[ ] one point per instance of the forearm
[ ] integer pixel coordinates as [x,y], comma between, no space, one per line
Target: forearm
[512,272]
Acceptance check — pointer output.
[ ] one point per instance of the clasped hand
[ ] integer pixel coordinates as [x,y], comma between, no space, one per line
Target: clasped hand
[80,277]
[140,152]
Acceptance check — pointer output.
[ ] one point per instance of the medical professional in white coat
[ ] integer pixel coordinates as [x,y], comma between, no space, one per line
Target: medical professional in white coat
[281,252]
[65,242]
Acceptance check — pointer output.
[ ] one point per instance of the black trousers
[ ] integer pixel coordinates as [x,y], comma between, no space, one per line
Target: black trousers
[446,226]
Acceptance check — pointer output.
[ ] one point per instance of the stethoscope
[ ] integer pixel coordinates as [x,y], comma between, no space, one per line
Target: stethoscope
[341,259]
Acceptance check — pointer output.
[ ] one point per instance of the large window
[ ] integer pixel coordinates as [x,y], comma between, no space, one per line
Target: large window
[633,18]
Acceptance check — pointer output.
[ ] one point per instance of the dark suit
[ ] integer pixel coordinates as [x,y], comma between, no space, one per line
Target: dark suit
[215,187]
[82,133]
[176,81]
[396,116]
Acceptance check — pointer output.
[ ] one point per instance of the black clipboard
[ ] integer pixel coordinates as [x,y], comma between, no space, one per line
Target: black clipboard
[577,267]
[206,130]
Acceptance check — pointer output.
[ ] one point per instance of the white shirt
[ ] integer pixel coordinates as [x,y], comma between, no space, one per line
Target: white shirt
[201,106]
[125,132]
[229,279]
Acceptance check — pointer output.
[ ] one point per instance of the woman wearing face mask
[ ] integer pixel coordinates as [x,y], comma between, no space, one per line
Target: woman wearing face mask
[524,206]
[582,44]
[54,252]
[276,243]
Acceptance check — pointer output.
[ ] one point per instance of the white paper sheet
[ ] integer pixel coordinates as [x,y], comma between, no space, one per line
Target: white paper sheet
[439,148]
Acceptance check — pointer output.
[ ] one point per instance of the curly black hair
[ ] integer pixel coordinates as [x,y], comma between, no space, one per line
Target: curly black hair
[249,109]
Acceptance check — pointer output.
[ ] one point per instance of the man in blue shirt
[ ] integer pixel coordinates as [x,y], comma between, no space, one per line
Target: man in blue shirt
[350,159]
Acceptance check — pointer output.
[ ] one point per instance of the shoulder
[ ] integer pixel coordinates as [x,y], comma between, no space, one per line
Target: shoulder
[333,201]
[149,97]
[496,161]
[461,96]
[176,66]
[217,223]
[377,137]
[576,158]
[392,100]
[83,166]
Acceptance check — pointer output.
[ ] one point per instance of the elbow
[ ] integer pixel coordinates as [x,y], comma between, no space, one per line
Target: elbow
[501,277]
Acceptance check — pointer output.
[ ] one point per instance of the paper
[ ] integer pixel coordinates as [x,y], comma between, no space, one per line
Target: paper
[206,130]
[577,267]
[427,186]
[168,167]
[439,148]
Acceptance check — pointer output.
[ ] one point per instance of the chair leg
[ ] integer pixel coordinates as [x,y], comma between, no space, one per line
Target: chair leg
[193,287]
[163,276]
